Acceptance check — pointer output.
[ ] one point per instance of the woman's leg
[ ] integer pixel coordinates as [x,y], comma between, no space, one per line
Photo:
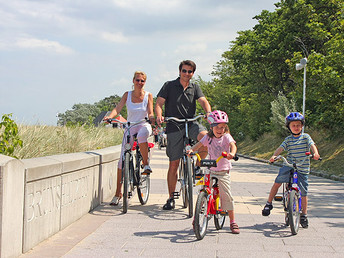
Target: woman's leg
[119,183]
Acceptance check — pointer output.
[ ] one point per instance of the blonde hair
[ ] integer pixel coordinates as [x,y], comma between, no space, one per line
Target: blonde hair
[140,73]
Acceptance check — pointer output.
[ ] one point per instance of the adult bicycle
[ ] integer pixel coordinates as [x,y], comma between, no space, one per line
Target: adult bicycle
[132,176]
[208,200]
[186,175]
[291,194]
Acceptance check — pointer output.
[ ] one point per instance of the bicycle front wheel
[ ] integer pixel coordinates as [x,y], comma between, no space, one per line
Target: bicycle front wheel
[294,211]
[189,185]
[200,222]
[125,171]
[143,189]
[182,181]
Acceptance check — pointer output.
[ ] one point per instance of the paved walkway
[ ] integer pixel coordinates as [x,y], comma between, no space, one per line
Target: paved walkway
[149,231]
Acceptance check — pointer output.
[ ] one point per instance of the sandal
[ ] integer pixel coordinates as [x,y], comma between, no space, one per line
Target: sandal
[235,228]
[115,200]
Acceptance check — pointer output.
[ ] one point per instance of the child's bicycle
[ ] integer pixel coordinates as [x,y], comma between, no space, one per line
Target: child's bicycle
[291,195]
[132,176]
[208,200]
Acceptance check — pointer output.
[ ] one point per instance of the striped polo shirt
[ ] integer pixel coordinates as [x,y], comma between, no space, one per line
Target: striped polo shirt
[296,148]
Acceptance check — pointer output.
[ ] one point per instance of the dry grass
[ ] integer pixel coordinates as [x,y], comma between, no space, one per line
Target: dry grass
[40,140]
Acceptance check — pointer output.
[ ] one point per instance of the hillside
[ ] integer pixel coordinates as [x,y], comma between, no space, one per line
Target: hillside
[331,151]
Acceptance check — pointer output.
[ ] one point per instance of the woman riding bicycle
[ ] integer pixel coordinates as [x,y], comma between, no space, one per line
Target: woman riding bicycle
[219,140]
[297,144]
[139,106]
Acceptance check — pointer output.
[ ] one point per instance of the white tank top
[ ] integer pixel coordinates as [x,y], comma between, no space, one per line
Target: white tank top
[137,111]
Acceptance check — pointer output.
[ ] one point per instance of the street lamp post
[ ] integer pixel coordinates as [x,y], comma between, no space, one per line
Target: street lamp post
[302,64]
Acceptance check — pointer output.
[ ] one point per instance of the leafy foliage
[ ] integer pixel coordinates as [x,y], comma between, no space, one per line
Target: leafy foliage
[9,138]
[280,108]
[260,66]
[84,114]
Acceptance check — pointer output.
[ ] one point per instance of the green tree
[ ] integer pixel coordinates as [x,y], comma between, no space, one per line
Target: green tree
[84,114]
[260,64]
[9,138]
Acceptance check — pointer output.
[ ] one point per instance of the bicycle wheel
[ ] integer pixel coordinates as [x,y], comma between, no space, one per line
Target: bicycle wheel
[294,211]
[200,222]
[219,220]
[182,183]
[143,187]
[189,185]
[126,171]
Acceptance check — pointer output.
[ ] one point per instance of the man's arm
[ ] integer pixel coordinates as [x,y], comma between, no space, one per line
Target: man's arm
[205,104]
[158,110]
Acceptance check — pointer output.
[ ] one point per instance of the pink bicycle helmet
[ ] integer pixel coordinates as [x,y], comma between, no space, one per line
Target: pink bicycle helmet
[217,117]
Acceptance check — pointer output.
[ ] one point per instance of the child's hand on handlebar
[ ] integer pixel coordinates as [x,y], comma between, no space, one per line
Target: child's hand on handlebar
[272,159]
[316,156]
[188,152]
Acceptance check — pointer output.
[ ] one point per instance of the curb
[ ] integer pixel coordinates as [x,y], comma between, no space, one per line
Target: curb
[318,173]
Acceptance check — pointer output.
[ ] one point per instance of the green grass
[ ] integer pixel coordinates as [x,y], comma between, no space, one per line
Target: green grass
[40,140]
[331,151]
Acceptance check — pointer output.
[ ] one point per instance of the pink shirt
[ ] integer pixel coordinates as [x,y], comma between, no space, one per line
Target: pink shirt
[215,148]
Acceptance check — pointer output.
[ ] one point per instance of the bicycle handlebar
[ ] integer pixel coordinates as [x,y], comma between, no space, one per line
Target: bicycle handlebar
[285,161]
[183,120]
[110,120]
[212,163]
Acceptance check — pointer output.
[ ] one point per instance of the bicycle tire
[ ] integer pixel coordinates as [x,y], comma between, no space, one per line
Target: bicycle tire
[285,201]
[219,220]
[294,211]
[182,183]
[126,171]
[189,185]
[200,222]
[143,188]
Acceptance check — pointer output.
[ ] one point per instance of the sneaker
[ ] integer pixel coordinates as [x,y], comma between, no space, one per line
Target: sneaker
[304,221]
[115,201]
[147,169]
[267,209]
[198,172]
[169,204]
[235,228]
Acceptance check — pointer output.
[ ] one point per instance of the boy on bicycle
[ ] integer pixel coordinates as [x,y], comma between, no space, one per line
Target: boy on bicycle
[297,144]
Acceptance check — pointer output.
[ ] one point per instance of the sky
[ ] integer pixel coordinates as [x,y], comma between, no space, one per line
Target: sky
[57,53]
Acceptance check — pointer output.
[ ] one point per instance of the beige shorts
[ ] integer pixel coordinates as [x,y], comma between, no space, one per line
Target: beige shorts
[226,198]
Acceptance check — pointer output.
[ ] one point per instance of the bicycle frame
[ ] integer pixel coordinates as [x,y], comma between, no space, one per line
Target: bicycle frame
[291,191]
[208,200]
[187,179]
[131,175]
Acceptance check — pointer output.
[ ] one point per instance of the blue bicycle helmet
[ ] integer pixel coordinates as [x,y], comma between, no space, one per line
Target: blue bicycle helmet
[294,116]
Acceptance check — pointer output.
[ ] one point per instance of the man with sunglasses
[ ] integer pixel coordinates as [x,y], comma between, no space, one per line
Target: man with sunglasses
[179,97]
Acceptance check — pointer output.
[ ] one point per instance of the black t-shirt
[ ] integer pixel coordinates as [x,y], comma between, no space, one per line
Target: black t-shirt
[179,103]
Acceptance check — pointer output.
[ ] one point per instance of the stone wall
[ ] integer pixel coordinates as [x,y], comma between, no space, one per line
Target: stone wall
[41,196]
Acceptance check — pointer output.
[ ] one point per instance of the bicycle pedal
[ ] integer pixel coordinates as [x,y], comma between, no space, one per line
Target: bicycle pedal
[278,198]
[176,195]
[223,212]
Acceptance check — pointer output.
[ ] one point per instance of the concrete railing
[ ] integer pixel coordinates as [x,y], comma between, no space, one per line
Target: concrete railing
[41,196]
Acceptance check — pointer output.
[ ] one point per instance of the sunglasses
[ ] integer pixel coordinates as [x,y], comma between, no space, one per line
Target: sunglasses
[138,80]
[187,71]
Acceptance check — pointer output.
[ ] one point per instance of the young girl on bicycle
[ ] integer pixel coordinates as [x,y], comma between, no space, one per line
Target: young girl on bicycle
[297,144]
[219,140]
